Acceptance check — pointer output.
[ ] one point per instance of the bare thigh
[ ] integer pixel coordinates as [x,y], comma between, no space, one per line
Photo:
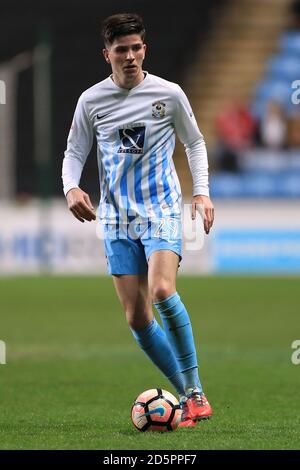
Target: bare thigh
[162,271]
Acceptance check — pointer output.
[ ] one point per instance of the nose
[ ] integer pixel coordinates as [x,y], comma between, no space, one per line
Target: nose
[130,55]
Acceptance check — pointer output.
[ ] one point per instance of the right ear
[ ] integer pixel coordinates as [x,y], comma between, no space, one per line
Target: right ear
[105,53]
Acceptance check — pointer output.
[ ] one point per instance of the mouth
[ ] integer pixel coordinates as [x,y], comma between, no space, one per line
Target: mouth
[130,67]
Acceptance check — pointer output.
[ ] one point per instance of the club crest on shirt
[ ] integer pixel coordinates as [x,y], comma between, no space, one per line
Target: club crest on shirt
[158,109]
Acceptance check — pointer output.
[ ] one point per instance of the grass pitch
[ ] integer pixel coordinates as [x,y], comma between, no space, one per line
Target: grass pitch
[73,369]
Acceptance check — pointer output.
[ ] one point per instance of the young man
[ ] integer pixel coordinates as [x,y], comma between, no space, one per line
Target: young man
[134,116]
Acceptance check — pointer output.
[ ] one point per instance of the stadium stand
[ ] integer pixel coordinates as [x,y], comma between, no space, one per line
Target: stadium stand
[230,54]
[238,44]
[77,63]
[250,63]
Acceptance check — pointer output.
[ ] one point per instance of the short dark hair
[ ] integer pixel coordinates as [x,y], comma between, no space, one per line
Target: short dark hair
[122,24]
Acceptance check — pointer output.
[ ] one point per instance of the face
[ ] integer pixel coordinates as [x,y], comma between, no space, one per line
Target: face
[126,55]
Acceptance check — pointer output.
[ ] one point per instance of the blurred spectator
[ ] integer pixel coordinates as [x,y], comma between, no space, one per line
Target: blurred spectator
[295,13]
[236,129]
[294,130]
[273,127]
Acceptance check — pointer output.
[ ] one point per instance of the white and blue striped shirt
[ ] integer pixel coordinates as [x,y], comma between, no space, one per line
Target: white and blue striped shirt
[135,131]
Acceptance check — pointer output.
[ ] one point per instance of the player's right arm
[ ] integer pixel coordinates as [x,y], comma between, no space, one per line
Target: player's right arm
[80,141]
[80,205]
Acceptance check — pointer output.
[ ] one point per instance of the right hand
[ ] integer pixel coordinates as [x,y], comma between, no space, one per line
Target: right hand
[80,205]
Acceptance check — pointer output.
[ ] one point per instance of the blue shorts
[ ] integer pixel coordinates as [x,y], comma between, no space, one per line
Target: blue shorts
[128,248]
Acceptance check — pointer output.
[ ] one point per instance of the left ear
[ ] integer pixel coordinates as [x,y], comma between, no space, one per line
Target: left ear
[105,53]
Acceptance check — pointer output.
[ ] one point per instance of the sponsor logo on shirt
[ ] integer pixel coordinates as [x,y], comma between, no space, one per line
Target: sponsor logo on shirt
[132,139]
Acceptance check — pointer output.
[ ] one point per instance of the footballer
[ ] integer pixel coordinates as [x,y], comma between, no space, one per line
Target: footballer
[134,117]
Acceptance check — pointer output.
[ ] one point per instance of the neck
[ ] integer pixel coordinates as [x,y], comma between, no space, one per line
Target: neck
[129,83]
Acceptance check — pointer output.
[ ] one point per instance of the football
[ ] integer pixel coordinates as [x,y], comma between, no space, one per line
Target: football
[156,410]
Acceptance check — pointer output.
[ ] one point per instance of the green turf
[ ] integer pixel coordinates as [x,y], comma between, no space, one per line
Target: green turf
[73,369]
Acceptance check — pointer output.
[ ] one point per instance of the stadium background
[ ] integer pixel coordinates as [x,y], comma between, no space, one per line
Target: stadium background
[238,62]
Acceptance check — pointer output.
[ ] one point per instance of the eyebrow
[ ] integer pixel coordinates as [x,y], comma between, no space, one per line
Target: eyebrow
[121,46]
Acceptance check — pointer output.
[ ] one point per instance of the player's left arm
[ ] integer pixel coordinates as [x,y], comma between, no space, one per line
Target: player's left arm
[207,210]
[188,132]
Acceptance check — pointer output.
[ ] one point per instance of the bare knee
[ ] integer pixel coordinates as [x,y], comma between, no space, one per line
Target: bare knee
[138,319]
[162,290]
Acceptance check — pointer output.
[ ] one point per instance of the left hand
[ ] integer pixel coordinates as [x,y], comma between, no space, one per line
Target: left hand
[207,213]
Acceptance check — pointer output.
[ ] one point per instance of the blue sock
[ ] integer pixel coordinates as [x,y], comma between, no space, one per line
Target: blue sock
[153,341]
[177,325]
